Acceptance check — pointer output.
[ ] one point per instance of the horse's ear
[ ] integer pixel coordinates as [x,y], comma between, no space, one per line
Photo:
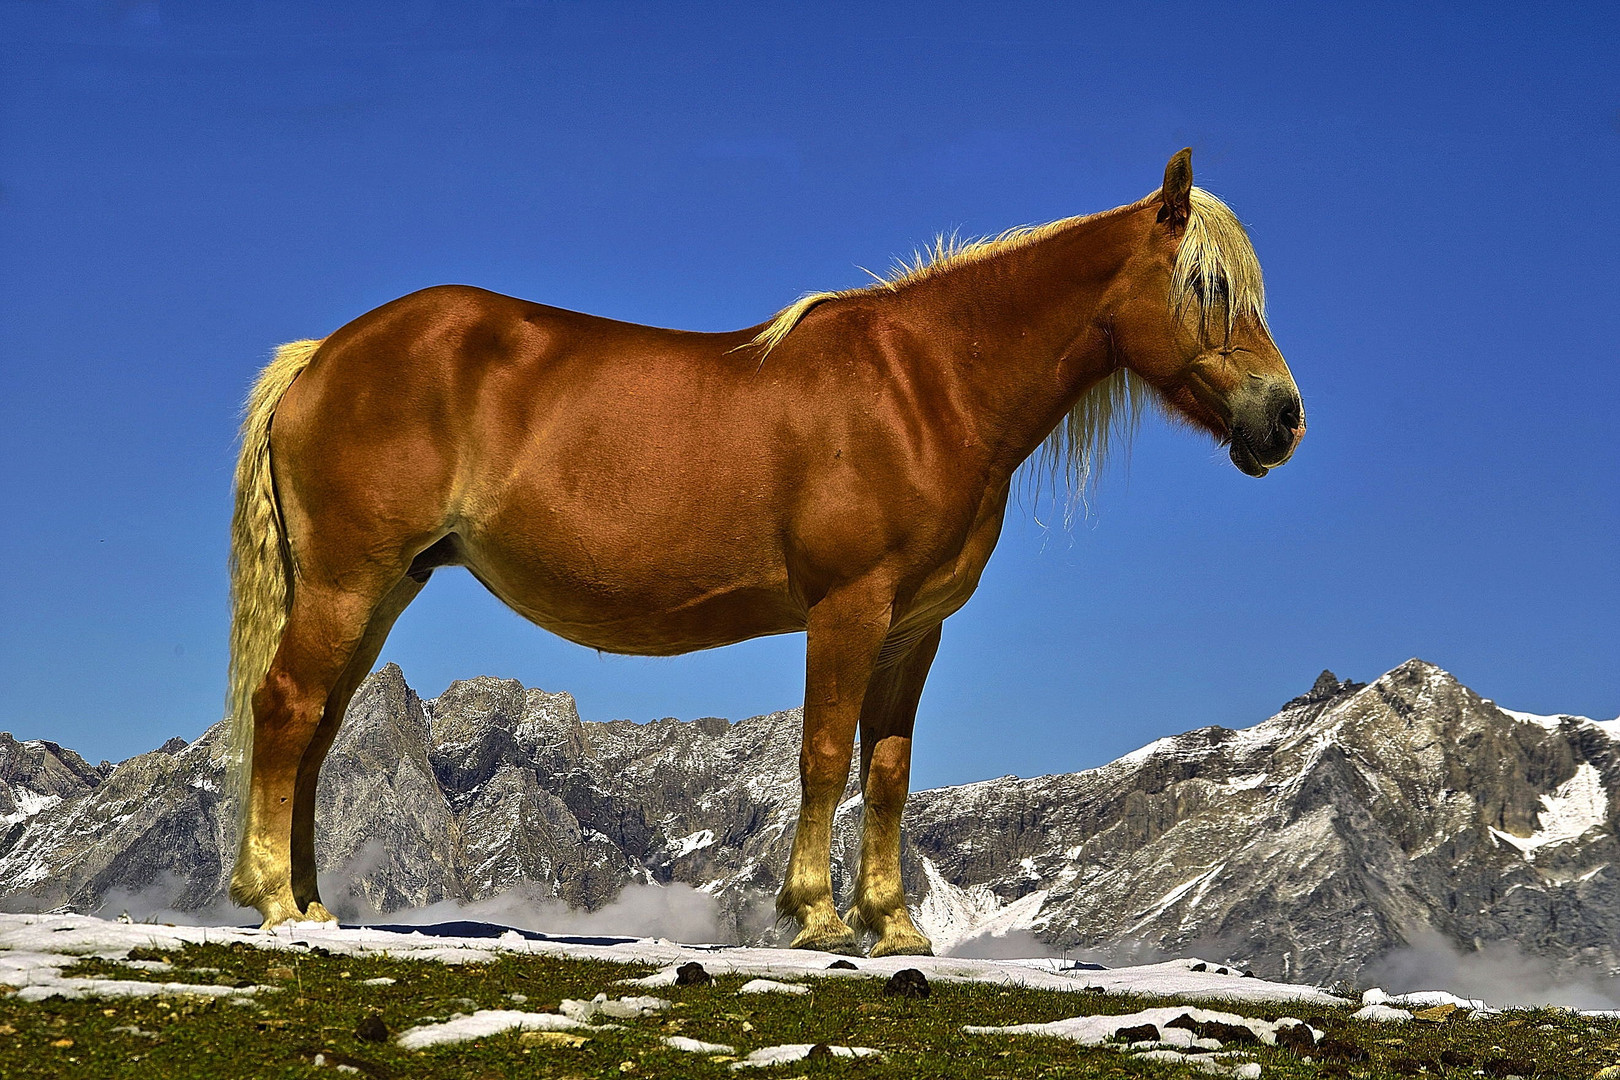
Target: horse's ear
[1177,192]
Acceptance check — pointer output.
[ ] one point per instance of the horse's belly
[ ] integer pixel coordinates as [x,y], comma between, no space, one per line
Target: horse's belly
[637,606]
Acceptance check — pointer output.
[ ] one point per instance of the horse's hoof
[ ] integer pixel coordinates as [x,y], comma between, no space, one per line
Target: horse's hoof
[907,944]
[277,912]
[316,912]
[844,944]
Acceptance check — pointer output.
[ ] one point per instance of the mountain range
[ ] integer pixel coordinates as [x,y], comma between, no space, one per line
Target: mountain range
[1361,824]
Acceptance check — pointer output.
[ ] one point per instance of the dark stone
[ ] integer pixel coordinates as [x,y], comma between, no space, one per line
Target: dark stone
[1200,966]
[693,974]
[1508,1066]
[1215,1029]
[1231,1033]
[372,1029]
[1139,1033]
[1339,1048]
[1456,1059]
[1296,1037]
[819,1052]
[907,982]
[842,965]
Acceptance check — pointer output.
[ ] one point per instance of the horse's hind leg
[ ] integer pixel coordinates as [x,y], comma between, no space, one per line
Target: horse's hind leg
[306,892]
[887,718]
[325,627]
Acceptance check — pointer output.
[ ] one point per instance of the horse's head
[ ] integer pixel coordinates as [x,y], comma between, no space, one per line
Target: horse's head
[1188,317]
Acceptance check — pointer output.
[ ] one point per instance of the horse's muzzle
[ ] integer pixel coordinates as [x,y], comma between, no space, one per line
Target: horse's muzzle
[1267,423]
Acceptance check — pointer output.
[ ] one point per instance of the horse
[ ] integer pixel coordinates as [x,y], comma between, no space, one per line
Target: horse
[841,470]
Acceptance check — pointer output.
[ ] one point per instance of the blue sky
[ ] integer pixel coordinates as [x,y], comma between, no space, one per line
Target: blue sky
[1432,192]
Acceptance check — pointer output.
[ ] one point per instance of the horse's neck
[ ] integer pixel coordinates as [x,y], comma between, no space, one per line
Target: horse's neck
[1021,332]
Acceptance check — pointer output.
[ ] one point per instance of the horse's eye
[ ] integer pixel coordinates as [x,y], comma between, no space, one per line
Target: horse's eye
[1212,291]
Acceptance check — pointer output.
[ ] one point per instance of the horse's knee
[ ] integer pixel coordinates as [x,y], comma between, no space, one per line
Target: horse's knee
[822,774]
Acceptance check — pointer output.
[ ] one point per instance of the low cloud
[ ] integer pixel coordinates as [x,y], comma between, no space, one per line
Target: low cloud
[157,902]
[1012,945]
[1499,973]
[675,911]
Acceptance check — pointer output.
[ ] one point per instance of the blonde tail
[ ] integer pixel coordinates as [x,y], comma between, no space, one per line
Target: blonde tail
[261,562]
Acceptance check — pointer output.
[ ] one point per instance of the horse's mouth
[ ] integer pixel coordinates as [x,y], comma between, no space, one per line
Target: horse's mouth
[1244,458]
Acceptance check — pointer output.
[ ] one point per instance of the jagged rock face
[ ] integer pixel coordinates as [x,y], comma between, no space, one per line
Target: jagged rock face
[1352,823]
[159,817]
[37,774]
[1358,819]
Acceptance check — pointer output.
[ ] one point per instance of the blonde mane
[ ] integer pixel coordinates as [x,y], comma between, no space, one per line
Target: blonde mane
[1216,270]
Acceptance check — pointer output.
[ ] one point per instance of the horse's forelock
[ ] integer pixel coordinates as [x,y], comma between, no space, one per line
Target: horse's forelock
[1216,268]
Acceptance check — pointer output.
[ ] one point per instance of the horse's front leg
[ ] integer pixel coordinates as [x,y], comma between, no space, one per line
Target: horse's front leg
[887,719]
[845,632]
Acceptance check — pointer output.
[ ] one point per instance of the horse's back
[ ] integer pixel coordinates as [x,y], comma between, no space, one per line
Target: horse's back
[616,483]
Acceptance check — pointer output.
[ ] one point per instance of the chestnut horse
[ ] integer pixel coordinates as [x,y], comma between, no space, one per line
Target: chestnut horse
[841,470]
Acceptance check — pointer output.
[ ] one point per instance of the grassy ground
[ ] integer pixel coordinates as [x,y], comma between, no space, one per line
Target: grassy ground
[323,1008]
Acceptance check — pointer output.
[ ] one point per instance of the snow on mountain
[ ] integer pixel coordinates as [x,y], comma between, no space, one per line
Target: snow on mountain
[1360,821]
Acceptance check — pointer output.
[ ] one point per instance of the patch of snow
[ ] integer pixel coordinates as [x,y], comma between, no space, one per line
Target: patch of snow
[1587,876]
[1202,1063]
[1611,728]
[1175,894]
[28,803]
[1136,757]
[624,1008]
[1421,999]
[781,1055]
[122,988]
[695,1046]
[950,915]
[1552,723]
[1579,803]
[482,1023]
[771,986]
[1381,1014]
[680,849]
[1094,1030]
[381,980]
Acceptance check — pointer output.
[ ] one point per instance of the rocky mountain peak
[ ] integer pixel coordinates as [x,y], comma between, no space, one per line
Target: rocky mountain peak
[1327,687]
